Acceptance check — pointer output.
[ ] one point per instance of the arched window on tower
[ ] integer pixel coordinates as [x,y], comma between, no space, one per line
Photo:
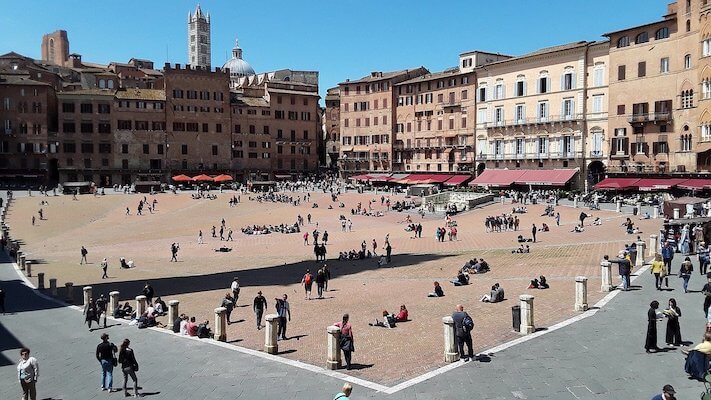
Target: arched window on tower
[51,49]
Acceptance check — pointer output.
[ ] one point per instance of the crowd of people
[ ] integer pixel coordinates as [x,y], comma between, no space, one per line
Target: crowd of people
[267,229]
[501,223]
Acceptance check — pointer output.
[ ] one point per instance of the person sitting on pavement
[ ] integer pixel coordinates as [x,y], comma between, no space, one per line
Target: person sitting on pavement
[544,228]
[597,221]
[192,327]
[496,295]
[704,346]
[203,330]
[480,267]
[387,322]
[160,306]
[438,292]
[402,315]
[533,284]
[461,280]
[542,284]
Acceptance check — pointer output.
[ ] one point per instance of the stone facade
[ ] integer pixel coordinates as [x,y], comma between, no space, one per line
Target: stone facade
[332,126]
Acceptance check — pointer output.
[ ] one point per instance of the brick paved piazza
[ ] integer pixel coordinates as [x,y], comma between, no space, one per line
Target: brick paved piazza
[275,263]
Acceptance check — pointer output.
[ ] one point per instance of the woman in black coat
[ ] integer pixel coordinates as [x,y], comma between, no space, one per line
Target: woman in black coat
[651,341]
[673,312]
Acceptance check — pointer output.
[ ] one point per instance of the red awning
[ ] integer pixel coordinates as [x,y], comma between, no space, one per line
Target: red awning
[381,178]
[617,184]
[497,177]
[546,177]
[695,184]
[202,178]
[415,179]
[658,183]
[361,178]
[437,179]
[457,180]
[223,178]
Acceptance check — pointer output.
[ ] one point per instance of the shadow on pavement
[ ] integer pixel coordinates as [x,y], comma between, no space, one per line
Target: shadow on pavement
[286,274]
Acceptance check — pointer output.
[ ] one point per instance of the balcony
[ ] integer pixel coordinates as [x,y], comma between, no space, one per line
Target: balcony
[596,154]
[517,122]
[450,104]
[649,117]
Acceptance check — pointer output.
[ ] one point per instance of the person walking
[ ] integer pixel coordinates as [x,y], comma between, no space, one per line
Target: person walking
[104,267]
[327,277]
[90,314]
[101,305]
[229,306]
[668,393]
[657,269]
[28,373]
[345,392]
[685,272]
[650,342]
[174,251]
[463,325]
[84,252]
[200,241]
[388,251]
[105,354]
[346,340]
[667,257]
[307,280]
[703,254]
[284,312]
[129,367]
[533,232]
[320,282]
[673,313]
[259,306]
[234,287]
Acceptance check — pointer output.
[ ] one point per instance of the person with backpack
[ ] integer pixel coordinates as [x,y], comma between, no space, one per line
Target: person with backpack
[463,326]
[307,280]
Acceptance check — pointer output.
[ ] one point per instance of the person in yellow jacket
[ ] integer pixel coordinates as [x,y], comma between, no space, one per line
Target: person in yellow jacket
[659,270]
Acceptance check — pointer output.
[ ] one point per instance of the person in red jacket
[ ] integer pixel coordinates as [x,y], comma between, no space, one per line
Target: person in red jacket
[402,315]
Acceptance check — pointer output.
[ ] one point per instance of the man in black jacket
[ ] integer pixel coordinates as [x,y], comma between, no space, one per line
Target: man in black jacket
[463,325]
[625,269]
[105,354]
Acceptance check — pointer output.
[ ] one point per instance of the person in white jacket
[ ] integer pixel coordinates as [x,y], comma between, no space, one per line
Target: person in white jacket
[27,373]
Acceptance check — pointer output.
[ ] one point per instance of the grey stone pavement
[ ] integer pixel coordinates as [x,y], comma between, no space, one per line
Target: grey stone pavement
[601,356]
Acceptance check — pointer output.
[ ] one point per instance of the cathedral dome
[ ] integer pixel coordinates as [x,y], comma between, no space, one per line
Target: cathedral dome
[237,66]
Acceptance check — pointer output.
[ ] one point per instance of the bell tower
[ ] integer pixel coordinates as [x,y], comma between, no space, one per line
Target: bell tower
[199,53]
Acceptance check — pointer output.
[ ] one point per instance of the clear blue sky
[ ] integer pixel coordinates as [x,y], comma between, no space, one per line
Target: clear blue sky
[339,38]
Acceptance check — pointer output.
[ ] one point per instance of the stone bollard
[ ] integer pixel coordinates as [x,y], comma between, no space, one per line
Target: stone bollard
[575,202]
[503,199]
[113,301]
[676,213]
[450,342]
[619,206]
[270,334]
[334,348]
[639,209]
[28,268]
[18,254]
[639,261]
[173,313]
[40,280]
[655,212]
[23,261]
[221,324]
[140,305]
[527,325]
[653,245]
[69,286]
[581,293]
[606,276]
[53,286]
[555,201]
[87,294]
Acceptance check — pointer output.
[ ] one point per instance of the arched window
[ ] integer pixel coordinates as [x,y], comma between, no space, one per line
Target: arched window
[624,41]
[662,33]
[51,49]
[688,25]
[110,84]
[687,61]
[687,99]
[102,83]
[642,38]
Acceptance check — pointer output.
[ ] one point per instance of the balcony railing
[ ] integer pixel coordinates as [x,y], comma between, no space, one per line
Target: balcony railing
[649,117]
[530,155]
[531,121]
[596,153]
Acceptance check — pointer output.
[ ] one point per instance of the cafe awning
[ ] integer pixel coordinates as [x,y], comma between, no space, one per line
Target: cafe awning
[457,180]
[648,184]
[546,177]
[695,184]
[497,177]
[617,184]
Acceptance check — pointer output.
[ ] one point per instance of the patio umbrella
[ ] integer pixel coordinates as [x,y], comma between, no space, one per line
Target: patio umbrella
[202,178]
[182,178]
[223,178]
